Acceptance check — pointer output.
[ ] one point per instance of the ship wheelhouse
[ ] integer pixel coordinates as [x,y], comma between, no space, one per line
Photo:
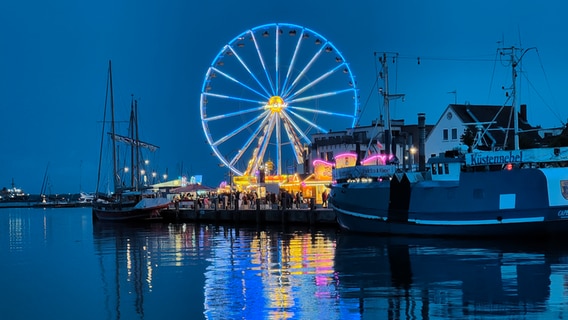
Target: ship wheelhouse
[445,169]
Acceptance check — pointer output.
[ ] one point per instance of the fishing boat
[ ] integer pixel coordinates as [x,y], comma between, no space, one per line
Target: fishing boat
[129,201]
[517,192]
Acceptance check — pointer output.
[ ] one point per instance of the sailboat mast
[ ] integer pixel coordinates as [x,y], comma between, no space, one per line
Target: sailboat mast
[137,145]
[133,164]
[103,131]
[114,168]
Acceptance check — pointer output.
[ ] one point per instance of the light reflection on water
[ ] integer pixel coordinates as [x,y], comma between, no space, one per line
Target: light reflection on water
[69,267]
[280,275]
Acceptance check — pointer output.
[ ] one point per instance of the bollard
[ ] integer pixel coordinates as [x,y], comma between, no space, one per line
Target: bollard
[196,209]
[258,215]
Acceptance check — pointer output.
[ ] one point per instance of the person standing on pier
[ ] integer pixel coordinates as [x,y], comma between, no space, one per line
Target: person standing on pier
[324,198]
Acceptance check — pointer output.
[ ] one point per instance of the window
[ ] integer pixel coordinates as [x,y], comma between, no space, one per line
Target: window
[329,156]
[446,168]
[454,133]
[434,166]
[445,135]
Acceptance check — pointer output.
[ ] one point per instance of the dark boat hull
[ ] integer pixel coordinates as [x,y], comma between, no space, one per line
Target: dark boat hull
[503,203]
[495,224]
[114,212]
[125,214]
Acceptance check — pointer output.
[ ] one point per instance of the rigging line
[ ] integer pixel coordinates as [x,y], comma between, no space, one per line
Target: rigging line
[492,76]
[367,100]
[369,96]
[444,59]
[396,79]
[556,114]
[549,88]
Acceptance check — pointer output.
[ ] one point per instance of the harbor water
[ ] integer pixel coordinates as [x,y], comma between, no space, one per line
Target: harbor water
[60,264]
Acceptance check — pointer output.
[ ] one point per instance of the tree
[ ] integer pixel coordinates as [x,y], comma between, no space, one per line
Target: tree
[468,138]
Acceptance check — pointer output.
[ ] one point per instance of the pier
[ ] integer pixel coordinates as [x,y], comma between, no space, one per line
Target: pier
[259,214]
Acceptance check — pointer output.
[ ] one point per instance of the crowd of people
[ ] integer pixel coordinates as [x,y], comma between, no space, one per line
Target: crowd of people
[248,200]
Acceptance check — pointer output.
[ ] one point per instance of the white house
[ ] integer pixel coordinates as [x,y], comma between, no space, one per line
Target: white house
[492,126]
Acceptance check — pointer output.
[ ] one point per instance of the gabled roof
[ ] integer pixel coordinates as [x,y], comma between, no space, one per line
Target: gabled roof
[498,120]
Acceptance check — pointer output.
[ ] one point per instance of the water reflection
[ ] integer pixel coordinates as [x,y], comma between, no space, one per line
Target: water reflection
[220,272]
[270,274]
[409,278]
[151,270]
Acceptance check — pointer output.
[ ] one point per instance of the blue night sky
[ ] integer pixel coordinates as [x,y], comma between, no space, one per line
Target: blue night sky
[54,59]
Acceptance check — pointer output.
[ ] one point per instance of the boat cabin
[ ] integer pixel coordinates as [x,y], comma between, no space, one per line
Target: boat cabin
[445,169]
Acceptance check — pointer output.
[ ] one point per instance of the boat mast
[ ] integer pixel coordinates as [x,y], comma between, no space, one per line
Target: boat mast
[135,182]
[137,145]
[103,132]
[386,99]
[114,169]
[514,63]
[133,164]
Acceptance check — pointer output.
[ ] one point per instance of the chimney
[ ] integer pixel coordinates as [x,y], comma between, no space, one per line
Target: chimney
[421,142]
[523,112]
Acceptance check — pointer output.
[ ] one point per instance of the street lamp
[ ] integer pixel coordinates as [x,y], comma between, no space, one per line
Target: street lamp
[413,153]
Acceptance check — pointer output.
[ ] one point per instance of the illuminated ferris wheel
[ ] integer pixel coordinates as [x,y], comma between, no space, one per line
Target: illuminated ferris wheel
[268,90]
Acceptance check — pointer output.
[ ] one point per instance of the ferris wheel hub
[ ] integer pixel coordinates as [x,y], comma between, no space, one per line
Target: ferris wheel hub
[275,104]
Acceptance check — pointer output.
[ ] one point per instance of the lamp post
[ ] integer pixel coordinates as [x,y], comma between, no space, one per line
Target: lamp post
[412,153]
[119,176]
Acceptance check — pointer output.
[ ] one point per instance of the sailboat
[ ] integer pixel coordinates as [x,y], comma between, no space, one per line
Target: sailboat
[131,201]
[517,192]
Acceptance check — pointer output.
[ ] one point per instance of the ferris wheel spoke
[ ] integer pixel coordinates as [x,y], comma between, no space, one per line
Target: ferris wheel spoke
[318,96]
[277,59]
[304,71]
[296,144]
[222,96]
[253,136]
[239,129]
[238,82]
[262,62]
[293,123]
[293,61]
[313,83]
[310,123]
[262,145]
[248,70]
[319,111]
[233,114]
